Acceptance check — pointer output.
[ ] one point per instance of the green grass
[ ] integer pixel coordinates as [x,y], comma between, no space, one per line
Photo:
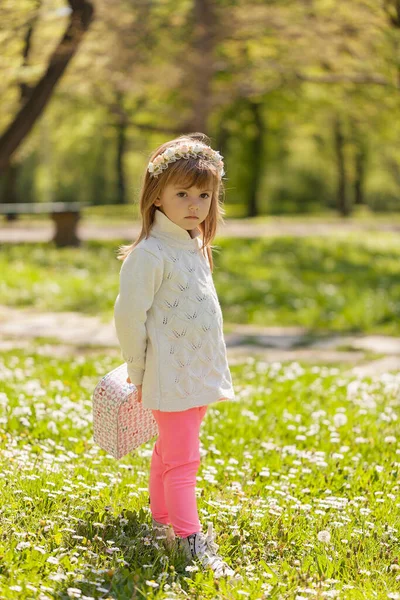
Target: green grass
[301,451]
[350,283]
[347,283]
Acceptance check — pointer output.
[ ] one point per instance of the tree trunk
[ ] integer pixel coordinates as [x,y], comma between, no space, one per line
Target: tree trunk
[359,175]
[256,150]
[393,13]
[11,168]
[10,189]
[202,65]
[121,148]
[342,196]
[39,96]
[221,138]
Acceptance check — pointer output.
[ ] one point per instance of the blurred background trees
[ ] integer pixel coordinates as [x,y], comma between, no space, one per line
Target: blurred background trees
[300,96]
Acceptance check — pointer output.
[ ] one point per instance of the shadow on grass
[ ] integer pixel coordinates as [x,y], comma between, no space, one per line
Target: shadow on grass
[100,532]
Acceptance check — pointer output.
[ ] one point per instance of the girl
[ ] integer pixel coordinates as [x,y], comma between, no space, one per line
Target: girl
[169,325]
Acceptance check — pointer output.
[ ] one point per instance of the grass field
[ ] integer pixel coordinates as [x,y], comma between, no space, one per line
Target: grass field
[349,283]
[300,476]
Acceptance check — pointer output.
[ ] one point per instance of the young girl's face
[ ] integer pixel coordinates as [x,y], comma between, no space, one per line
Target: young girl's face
[179,203]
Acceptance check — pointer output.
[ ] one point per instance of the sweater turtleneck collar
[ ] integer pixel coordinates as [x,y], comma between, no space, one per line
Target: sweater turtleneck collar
[163,227]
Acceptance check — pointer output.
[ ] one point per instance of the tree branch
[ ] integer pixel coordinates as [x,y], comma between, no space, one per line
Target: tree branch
[79,22]
[361,78]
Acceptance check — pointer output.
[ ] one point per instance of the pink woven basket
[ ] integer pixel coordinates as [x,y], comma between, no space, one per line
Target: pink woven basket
[120,423]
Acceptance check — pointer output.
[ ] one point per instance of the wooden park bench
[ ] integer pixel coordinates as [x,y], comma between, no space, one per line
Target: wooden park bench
[64,214]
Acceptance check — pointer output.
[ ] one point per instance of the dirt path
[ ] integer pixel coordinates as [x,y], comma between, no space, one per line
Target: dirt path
[20,231]
[71,333]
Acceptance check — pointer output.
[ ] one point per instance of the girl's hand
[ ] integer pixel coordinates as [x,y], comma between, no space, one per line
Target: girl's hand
[139,389]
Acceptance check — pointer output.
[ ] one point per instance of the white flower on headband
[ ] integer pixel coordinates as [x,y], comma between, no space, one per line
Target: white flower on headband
[185,150]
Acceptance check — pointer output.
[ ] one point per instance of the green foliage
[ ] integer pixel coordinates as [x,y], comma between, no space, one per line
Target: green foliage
[303,65]
[301,191]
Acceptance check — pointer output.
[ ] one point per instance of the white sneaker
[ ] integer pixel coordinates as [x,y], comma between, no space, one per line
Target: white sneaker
[203,548]
[164,533]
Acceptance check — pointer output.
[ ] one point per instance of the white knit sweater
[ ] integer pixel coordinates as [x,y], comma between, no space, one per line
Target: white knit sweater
[169,322]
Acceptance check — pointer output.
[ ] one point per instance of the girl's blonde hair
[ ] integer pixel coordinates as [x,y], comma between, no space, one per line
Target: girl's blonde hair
[198,172]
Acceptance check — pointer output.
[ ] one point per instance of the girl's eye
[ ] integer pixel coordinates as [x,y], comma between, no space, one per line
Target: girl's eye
[203,194]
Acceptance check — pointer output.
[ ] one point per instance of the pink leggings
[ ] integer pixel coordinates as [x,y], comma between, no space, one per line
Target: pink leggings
[174,465]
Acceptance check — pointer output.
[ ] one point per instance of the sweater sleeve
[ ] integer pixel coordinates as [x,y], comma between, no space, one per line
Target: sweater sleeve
[141,276]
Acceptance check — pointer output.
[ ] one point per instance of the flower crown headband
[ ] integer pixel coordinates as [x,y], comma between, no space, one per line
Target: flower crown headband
[185,150]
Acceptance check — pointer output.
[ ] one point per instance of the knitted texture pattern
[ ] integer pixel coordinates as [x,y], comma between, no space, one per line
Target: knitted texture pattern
[169,321]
